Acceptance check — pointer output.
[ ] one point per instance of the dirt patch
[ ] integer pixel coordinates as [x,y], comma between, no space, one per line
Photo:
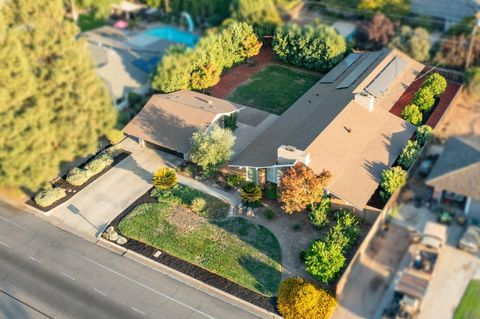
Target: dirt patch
[184,219]
[463,119]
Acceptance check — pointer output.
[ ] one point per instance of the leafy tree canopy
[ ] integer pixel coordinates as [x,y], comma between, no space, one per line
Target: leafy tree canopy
[411,113]
[262,14]
[53,106]
[414,42]
[376,33]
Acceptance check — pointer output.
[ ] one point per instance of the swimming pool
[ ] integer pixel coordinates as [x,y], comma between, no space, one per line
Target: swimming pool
[173,34]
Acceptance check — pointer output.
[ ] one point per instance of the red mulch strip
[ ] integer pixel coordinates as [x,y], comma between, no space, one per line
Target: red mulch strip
[439,109]
[237,75]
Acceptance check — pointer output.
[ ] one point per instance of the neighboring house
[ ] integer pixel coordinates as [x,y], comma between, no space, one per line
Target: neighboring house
[455,177]
[341,124]
[168,121]
[125,60]
[449,12]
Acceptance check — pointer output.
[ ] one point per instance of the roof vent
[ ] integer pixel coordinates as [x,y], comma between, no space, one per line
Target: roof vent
[349,130]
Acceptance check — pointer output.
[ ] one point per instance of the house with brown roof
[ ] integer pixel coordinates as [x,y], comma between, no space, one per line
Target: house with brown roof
[341,124]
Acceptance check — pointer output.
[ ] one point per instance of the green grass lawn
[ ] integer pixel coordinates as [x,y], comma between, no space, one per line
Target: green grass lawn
[88,22]
[274,89]
[234,248]
[469,307]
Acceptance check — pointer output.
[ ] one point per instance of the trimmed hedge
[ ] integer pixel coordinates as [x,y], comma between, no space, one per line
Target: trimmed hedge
[78,176]
[423,134]
[49,195]
[411,113]
[409,154]
[424,98]
[299,298]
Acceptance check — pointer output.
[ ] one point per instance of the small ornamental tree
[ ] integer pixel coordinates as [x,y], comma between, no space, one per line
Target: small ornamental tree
[299,298]
[424,99]
[212,149]
[324,260]
[424,134]
[376,33]
[409,153]
[414,42]
[319,212]
[250,193]
[436,83]
[412,114]
[164,178]
[392,179]
[300,186]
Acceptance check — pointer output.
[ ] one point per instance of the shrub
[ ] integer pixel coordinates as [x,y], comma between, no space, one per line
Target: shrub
[230,121]
[424,134]
[299,298]
[199,204]
[411,113]
[317,47]
[49,195]
[235,180]
[319,213]
[324,260]
[392,179]
[164,178]
[99,163]
[436,83]
[270,191]
[114,136]
[77,176]
[409,154]
[269,214]
[250,193]
[424,99]
[349,224]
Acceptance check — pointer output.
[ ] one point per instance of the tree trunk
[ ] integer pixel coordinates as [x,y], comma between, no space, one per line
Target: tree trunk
[73,10]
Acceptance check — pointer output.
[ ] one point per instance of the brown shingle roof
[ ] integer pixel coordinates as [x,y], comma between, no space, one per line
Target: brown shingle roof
[458,168]
[318,123]
[169,120]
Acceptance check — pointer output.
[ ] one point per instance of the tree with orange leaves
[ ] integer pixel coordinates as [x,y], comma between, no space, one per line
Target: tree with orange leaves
[300,187]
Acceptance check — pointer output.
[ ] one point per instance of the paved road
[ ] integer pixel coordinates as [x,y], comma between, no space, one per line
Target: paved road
[47,272]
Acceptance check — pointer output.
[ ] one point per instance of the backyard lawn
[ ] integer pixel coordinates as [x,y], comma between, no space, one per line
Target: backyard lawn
[234,248]
[274,89]
[88,22]
[469,306]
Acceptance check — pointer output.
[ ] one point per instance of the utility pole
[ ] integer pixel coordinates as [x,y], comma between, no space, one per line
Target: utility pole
[472,41]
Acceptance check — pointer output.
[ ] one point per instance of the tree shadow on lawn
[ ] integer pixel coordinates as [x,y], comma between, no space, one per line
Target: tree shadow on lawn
[267,277]
[257,236]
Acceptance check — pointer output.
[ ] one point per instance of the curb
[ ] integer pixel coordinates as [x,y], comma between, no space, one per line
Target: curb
[192,282]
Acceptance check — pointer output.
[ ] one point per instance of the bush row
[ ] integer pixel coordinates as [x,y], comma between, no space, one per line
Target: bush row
[325,258]
[200,68]
[79,176]
[424,99]
[49,195]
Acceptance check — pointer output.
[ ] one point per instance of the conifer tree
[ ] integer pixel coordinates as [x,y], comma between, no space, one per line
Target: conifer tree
[53,106]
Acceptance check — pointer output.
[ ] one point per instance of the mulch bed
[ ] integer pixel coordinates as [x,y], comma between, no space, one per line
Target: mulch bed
[441,104]
[197,272]
[71,189]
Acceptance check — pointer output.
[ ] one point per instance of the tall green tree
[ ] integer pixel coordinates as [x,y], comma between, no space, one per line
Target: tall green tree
[100,8]
[53,106]
[262,14]
[414,42]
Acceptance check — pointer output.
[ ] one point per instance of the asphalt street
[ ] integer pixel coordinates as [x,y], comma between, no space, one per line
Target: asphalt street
[46,272]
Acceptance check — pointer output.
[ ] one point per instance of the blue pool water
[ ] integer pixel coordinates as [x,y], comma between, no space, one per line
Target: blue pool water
[173,34]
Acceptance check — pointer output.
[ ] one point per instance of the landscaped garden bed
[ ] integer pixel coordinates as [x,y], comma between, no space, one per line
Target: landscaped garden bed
[232,254]
[275,88]
[61,190]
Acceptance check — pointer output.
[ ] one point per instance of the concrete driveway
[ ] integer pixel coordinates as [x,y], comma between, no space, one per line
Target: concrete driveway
[89,212]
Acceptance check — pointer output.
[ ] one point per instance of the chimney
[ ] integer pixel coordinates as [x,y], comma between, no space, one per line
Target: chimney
[289,155]
[365,100]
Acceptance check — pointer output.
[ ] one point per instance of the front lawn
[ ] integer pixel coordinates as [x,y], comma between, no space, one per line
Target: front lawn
[234,248]
[469,306]
[274,89]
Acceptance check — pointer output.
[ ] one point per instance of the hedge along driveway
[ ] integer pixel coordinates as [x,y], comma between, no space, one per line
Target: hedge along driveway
[234,248]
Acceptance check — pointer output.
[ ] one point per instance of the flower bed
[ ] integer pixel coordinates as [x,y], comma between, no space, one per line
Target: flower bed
[62,186]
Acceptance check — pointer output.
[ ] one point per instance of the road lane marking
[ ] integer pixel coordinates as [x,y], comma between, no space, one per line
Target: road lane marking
[35,259]
[13,223]
[140,312]
[100,292]
[67,275]
[4,244]
[147,287]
